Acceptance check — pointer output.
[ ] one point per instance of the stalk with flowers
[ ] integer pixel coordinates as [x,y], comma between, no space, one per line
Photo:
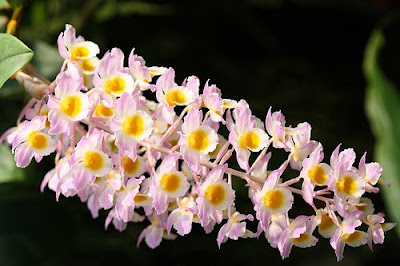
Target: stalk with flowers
[165,161]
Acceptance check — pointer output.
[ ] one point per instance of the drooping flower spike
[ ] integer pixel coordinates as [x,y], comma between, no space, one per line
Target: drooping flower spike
[163,163]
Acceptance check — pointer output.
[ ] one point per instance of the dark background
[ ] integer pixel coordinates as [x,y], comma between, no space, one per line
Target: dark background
[303,57]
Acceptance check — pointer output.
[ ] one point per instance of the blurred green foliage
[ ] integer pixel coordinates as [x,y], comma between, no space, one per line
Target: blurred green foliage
[301,56]
[383,109]
[17,3]
[9,171]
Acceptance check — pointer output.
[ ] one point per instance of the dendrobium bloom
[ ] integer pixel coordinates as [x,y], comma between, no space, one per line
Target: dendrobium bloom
[196,140]
[31,141]
[326,226]
[314,174]
[154,233]
[87,67]
[75,48]
[271,199]
[214,196]
[245,136]
[59,179]
[213,101]
[126,199]
[275,229]
[106,188]
[371,172]
[130,124]
[234,228]
[182,217]
[347,234]
[134,168]
[377,228]
[167,183]
[89,161]
[215,104]
[275,125]
[169,94]
[300,144]
[299,234]
[68,106]
[142,74]
[347,183]
[111,78]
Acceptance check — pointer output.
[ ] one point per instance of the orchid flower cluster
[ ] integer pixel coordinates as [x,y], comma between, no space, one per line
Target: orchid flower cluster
[165,161]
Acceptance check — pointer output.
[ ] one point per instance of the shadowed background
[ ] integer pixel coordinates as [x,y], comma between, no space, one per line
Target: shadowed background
[303,57]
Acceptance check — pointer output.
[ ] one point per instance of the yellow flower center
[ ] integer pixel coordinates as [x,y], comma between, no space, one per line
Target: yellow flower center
[102,110]
[140,198]
[249,140]
[352,237]
[274,199]
[115,85]
[198,140]
[346,185]
[71,105]
[317,175]
[170,182]
[326,222]
[130,167]
[93,160]
[37,140]
[133,125]
[87,65]
[215,194]
[304,237]
[175,97]
[79,52]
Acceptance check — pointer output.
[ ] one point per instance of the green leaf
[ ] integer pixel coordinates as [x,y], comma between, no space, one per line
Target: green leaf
[9,172]
[383,111]
[14,55]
